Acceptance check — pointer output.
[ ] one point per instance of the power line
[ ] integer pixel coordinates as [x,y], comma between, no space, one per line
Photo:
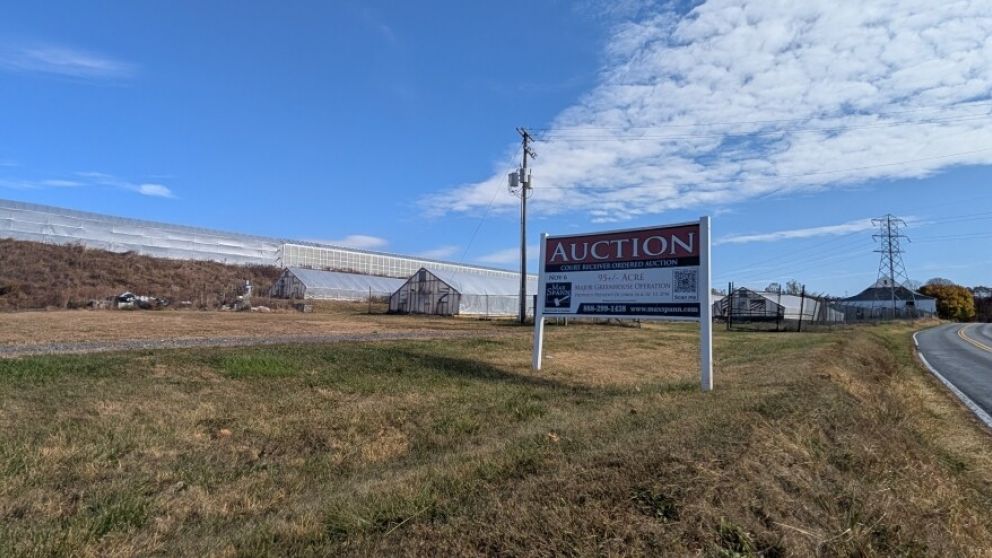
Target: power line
[773,120]
[788,268]
[804,175]
[785,257]
[983,216]
[485,214]
[783,264]
[929,239]
[563,134]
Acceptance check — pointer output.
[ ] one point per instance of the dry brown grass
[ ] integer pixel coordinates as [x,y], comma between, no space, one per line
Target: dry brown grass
[35,275]
[817,444]
[106,325]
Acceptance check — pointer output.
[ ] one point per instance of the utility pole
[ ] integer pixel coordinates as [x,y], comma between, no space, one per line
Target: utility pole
[802,304]
[730,306]
[520,186]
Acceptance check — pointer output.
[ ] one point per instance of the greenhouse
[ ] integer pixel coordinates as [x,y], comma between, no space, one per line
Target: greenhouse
[55,225]
[450,293]
[297,282]
[746,305]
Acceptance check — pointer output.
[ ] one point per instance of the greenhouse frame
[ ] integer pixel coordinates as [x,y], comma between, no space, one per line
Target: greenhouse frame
[452,293]
[301,283]
[749,305]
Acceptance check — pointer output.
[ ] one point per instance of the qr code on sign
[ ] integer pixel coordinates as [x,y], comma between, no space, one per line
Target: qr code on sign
[684,281]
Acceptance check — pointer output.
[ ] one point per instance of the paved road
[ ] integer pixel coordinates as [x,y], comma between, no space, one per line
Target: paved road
[962,354]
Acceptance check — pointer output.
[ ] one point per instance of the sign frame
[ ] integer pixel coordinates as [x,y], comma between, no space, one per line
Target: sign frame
[704,288]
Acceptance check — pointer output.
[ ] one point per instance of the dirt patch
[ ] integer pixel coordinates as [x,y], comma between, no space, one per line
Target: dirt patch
[62,332]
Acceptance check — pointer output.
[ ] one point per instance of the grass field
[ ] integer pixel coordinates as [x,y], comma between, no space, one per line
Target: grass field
[830,444]
[25,328]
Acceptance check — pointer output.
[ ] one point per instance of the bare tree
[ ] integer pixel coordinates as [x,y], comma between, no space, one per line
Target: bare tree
[793,287]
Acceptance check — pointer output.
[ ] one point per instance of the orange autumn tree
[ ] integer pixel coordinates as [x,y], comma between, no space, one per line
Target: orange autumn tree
[954,302]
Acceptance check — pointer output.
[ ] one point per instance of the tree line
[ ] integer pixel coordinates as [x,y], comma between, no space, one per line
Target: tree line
[957,302]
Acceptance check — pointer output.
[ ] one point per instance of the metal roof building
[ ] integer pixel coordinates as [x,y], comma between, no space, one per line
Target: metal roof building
[879,299]
[449,293]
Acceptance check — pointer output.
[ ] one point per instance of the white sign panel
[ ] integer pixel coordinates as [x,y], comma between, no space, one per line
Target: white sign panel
[656,273]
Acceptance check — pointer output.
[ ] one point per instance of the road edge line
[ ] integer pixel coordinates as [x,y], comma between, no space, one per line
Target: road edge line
[968,402]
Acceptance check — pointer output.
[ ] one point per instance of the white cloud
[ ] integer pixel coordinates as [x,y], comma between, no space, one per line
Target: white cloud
[63,61]
[359,241]
[7,162]
[740,99]
[145,189]
[509,255]
[809,232]
[440,253]
[30,184]
[14,184]
[91,179]
[154,190]
[59,183]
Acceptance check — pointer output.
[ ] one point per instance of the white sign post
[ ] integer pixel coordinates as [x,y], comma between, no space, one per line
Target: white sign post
[656,273]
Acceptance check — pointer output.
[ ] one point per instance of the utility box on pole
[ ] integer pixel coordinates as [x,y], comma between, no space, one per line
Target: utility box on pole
[519,184]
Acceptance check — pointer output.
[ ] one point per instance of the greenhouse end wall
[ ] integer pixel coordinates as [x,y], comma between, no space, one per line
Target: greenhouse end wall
[450,293]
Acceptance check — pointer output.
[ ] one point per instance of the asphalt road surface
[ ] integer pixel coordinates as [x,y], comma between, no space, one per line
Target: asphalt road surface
[962,354]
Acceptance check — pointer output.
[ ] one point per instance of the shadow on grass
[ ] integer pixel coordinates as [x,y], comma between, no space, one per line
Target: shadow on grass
[468,369]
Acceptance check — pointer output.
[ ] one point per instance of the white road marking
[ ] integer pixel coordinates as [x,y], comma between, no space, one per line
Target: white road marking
[968,402]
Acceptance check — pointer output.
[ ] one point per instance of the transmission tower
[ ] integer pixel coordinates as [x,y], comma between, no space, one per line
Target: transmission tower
[891,270]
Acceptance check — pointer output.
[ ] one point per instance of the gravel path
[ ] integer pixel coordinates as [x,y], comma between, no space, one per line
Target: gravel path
[79,347]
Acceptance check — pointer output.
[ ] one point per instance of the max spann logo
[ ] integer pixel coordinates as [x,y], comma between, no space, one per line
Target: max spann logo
[648,248]
[558,295]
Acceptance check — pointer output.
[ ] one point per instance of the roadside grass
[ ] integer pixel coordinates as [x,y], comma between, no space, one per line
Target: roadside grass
[833,444]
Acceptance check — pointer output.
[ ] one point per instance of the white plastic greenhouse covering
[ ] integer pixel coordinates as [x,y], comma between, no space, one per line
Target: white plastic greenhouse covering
[56,225]
[297,282]
[477,294]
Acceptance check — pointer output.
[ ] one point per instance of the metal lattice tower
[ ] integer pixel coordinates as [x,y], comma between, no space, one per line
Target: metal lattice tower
[891,269]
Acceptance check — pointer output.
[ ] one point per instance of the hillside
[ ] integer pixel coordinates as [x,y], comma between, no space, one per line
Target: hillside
[35,275]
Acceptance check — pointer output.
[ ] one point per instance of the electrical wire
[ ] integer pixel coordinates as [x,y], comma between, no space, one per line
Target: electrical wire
[785,268]
[774,120]
[787,258]
[565,137]
[800,175]
[482,220]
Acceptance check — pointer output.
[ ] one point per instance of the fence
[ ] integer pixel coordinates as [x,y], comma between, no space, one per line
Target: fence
[748,310]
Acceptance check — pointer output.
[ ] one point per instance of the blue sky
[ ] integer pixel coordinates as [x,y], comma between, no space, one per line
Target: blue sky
[390,126]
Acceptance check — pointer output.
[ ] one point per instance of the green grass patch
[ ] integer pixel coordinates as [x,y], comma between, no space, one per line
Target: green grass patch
[43,369]
[255,365]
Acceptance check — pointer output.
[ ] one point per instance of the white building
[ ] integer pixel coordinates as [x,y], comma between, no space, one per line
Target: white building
[882,301]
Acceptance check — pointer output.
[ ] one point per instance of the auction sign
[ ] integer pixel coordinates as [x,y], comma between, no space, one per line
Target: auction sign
[655,273]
